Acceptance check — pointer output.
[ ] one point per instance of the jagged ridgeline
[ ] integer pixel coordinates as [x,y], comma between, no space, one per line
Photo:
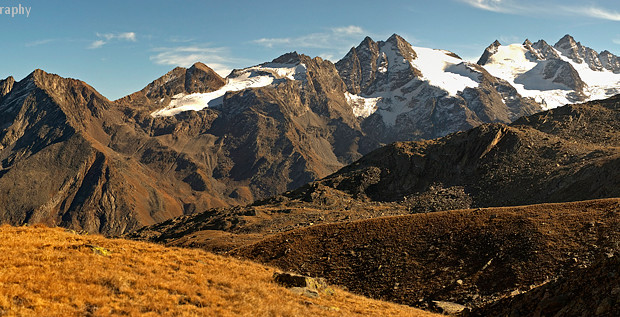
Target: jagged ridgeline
[192,140]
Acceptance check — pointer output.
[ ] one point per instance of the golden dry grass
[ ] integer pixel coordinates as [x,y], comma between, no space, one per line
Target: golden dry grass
[51,272]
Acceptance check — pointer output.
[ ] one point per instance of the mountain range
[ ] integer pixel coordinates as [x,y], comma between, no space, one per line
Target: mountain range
[566,72]
[192,140]
[561,155]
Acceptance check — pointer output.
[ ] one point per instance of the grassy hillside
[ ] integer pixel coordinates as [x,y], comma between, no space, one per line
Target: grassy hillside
[53,272]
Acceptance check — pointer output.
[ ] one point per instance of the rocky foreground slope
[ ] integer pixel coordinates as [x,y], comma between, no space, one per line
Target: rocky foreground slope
[469,257]
[565,154]
[592,291]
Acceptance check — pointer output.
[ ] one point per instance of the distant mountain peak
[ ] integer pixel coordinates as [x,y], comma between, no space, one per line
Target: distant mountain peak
[566,39]
[488,52]
[367,40]
[395,38]
[37,74]
[569,47]
[201,66]
[56,85]
[6,85]
[404,47]
[292,58]
[199,78]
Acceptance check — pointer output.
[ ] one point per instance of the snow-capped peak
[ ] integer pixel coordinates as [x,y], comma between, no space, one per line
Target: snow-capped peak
[553,75]
[393,77]
[252,77]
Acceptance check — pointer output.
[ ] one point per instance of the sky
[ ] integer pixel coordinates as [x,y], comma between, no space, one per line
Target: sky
[118,47]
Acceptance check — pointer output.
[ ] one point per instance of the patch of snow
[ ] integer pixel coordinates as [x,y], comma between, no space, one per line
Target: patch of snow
[362,107]
[383,66]
[444,71]
[252,77]
[534,79]
[509,62]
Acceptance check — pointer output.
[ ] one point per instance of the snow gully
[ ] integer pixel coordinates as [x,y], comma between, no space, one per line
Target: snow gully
[13,11]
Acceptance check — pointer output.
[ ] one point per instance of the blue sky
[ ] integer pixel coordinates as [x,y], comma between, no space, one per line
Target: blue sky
[118,47]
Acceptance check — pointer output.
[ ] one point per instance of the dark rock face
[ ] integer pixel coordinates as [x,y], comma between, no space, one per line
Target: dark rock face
[359,67]
[568,46]
[554,71]
[366,68]
[6,85]
[610,61]
[542,51]
[563,73]
[488,52]
[592,291]
[263,141]
[579,53]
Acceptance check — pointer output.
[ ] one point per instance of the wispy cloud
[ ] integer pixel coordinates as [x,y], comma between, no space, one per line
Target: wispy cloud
[595,12]
[97,44]
[127,36]
[491,5]
[105,38]
[617,41]
[179,39]
[218,58]
[39,42]
[558,8]
[332,41]
[509,39]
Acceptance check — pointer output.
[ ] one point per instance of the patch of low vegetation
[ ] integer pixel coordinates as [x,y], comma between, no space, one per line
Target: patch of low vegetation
[53,272]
